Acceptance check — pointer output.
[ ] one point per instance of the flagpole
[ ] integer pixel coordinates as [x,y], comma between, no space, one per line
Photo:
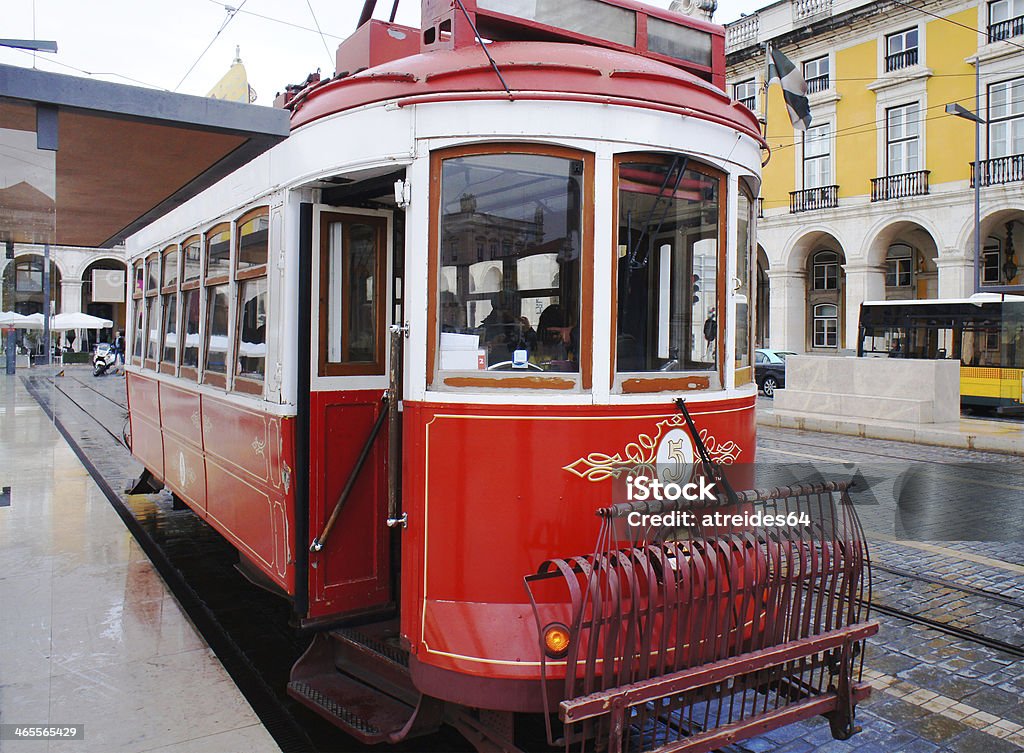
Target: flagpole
[767,79]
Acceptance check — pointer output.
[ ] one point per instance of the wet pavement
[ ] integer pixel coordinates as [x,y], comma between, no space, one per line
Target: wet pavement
[937,688]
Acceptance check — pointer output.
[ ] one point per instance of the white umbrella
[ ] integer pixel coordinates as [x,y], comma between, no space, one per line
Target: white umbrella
[31,321]
[79,321]
[10,319]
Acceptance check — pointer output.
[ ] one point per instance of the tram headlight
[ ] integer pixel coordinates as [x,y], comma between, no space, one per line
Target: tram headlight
[556,640]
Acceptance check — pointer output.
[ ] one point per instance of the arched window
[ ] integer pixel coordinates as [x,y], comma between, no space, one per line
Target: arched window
[826,325]
[252,240]
[899,266]
[826,270]
[169,291]
[217,284]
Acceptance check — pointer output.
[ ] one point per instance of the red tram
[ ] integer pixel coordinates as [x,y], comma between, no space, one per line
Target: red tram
[402,359]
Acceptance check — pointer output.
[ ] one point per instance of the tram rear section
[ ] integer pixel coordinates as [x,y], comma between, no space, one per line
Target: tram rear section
[530,268]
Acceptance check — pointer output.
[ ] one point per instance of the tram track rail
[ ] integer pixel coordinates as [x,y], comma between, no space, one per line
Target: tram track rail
[950,630]
[946,583]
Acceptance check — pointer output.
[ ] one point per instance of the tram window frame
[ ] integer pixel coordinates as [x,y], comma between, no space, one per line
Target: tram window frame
[211,284]
[532,380]
[213,232]
[243,276]
[152,306]
[643,382]
[334,307]
[138,310]
[745,374]
[169,292]
[189,286]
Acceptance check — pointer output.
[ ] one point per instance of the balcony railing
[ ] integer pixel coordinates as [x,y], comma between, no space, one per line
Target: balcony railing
[749,102]
[824,197]
[1011,27]
[742,33]
[899,186]
[760,207]
[899,60]
[1000,170]
[804,8]
[817,84]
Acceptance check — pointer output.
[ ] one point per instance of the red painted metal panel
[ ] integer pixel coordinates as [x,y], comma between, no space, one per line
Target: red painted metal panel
[144,417]
[352,572]
[237,436]
[492,491]
[179,413]
[243,513]
[186,471]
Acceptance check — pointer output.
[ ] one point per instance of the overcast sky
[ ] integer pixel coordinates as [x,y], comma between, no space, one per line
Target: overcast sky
[156,42]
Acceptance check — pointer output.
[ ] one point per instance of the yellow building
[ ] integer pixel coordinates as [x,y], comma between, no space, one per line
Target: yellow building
[875,200]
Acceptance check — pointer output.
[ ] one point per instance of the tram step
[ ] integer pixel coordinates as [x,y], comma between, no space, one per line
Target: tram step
[360,683]
[367,714]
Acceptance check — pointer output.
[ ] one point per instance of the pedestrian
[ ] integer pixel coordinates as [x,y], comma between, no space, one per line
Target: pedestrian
[119,351]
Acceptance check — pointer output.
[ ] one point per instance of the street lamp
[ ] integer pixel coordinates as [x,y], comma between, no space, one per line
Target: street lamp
[962,112]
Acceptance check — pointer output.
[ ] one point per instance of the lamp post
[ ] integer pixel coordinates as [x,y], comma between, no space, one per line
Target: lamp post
[962,112]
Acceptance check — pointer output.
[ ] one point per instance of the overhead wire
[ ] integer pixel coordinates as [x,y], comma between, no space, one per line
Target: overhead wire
[96,73]
[322,39]
[232,12]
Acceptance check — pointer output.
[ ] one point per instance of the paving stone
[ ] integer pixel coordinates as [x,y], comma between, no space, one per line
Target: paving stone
[936,728]
[973,741]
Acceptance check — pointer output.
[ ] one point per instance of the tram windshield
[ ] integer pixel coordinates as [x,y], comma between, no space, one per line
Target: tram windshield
[668,267]
[509,288]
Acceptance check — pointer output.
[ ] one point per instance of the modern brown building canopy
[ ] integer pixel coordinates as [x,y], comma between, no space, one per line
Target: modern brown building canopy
[104,159]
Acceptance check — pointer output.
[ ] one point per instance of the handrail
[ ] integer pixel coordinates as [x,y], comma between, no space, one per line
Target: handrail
[321,540]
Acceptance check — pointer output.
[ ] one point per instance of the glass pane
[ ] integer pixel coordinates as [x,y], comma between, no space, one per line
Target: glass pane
[170,328]
[218,253]
[252,328]
[190,354]
[668,268]
[744,251]
[140,279]
[152,275]
[153,321]
[361,331]
[191,253]
[252,245]
[170,269]
[590,17]
[514,302]
[680,42]
[217,329]
[139,333]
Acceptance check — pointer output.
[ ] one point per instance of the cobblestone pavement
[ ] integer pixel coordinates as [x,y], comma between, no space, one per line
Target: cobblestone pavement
[932,691]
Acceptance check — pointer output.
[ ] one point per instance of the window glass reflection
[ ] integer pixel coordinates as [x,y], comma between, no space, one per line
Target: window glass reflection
[252,328]
[217,329]
[668,267]
[509,288]
[190,307]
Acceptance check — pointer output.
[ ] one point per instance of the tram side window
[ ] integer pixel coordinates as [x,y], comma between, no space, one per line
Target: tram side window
[190,325]
[169,293]
[139,332]
[152,311]
[191,260]
[217,333]
[353,270]
[668,230]
[251,327]
[218,252]
[980,345]
[510,272]
[744,266]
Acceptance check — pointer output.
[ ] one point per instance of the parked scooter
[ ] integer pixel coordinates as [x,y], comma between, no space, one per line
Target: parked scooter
[103,359]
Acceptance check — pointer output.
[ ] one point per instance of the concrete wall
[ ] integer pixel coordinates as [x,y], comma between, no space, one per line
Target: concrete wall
[908,390]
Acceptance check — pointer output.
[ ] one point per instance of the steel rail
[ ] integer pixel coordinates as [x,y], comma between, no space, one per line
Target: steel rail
[934,580]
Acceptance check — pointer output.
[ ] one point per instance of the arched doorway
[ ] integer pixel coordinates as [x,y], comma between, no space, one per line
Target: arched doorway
[1002,250]
[103,295]
[762,311]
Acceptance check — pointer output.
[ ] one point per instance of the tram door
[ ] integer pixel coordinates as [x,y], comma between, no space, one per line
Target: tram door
[353,299]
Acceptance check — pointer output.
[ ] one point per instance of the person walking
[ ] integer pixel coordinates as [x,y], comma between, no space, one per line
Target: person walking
[119,352]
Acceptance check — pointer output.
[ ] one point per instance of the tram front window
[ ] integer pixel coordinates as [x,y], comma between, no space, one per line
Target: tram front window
[667,315]
[509,247]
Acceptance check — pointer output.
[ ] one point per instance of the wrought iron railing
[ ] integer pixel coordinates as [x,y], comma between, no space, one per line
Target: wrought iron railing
[749,102]
[760,207]
[1000,170]
[899,60]
[899,186]
[817,84]
[1011,27]
[809,199]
